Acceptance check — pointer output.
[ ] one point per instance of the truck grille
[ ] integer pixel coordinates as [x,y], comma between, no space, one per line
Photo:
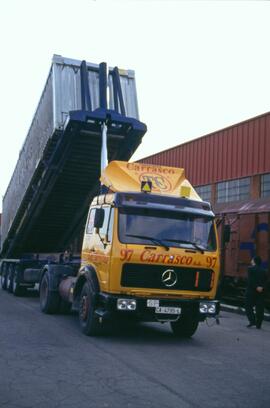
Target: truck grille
[154,276]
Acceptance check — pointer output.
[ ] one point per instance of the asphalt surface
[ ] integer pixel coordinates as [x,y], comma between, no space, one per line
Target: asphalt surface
[45,361]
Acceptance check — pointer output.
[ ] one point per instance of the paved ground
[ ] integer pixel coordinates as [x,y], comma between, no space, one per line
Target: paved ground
[46,362]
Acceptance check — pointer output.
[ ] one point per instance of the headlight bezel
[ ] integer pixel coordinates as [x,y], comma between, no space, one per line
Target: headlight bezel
[208,308]
[126,304]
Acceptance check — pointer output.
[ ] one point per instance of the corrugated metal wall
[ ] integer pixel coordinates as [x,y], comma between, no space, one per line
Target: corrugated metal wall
[237,151]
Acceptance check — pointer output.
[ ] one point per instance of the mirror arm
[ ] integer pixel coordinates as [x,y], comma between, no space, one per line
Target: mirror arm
[101,239]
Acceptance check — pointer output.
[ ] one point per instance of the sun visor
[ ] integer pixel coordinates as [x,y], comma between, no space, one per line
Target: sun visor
[123,176]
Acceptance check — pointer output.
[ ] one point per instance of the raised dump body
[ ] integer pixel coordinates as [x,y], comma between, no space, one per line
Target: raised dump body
[57,173]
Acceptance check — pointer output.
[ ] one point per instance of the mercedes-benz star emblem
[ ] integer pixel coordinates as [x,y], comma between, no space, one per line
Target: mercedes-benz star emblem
[169,278]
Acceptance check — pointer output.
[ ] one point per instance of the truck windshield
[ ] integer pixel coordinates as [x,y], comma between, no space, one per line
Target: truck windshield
[166,228]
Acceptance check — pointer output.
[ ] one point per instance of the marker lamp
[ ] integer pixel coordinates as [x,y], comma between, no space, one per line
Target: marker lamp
[207,307]
[126,304]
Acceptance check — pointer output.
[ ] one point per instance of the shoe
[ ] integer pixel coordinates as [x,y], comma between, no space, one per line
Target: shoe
[251,324]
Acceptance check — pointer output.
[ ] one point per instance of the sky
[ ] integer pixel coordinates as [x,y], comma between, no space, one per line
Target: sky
[200,65]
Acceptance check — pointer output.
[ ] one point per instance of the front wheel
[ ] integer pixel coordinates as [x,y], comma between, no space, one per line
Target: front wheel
[186,326]
[88,321]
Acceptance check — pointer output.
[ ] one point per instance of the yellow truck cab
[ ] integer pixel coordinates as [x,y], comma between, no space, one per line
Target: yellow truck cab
[150,252]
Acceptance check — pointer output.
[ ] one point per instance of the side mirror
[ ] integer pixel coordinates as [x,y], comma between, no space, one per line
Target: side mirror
[99,218]
[227,233]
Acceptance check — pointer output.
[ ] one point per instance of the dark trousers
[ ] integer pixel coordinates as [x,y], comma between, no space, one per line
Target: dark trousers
[255,299]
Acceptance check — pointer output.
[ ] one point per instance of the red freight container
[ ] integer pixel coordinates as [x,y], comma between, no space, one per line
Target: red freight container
[250,235]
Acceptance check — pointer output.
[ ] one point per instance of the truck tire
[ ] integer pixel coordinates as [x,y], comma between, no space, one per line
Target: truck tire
[65,307]
[4,276]
[17,289]
[185,326]
[10,276]
[88,321]
[49,300]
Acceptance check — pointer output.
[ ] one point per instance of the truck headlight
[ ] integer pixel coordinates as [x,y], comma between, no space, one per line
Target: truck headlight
[212,308]
[203,307]
[126,304]
[207,307]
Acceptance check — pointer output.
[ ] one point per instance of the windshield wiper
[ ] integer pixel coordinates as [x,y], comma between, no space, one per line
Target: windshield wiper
[154,240]
[183,241]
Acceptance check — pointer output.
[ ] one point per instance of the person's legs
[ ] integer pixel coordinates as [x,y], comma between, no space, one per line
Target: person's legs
[259,309]
[249,309]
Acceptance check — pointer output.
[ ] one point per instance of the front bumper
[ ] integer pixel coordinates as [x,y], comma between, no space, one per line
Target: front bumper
[146,308]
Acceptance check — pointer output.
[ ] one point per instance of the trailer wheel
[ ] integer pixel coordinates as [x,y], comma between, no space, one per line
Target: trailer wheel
[186,326]
[17,289]
[4,276]
[88,321]
[49,300]
[10,276]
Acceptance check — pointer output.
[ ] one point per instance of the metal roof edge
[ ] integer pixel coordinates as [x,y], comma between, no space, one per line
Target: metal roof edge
[59,59]
[252,206]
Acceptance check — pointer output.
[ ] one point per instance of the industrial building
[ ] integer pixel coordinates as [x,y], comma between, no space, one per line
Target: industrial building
[231,169]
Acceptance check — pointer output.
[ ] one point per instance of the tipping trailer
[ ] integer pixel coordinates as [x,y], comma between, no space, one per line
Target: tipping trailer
[149,247]
[58,169]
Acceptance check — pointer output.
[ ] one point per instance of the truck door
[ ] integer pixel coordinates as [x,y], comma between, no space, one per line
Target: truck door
[97,246]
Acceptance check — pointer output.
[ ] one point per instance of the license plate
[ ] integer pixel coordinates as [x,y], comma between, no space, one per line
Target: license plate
[168,310]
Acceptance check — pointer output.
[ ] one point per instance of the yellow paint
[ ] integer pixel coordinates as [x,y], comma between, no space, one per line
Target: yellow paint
[108,263]
[124,176]
[108,260]
[185,191]
[95,254]
[146,187]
